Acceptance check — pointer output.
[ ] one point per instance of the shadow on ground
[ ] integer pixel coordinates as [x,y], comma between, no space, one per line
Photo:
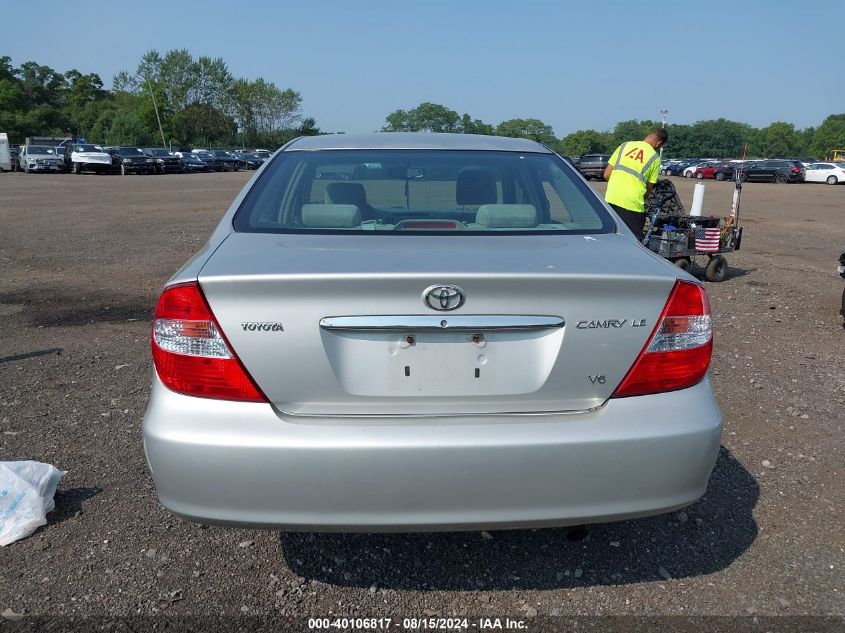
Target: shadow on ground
[706,538]
[69,503]
[63,307]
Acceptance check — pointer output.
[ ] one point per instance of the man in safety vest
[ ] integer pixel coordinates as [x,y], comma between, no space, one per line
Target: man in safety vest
[631,174]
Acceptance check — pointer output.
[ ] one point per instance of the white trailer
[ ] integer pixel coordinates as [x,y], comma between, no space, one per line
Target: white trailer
[5,155]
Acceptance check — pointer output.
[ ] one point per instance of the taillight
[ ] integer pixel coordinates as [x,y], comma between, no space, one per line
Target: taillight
[796,170]
[190,353]
[678,352]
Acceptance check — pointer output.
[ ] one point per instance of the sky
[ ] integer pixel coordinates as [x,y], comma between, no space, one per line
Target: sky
[573,65]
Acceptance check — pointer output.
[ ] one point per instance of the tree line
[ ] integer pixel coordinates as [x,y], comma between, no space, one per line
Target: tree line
[200,103]
[719,138]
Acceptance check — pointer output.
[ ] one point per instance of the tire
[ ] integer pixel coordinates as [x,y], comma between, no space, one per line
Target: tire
[700,176]
[77,168]
[832,180]
[720,176]
[687,174]
[26,168]
[717,269]
[683,263]
[781,178]
[123,171]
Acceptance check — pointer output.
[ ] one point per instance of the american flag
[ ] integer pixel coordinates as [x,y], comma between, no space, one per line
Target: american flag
[707,239]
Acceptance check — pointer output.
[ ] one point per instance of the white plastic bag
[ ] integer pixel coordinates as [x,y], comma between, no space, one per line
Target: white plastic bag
[26,496]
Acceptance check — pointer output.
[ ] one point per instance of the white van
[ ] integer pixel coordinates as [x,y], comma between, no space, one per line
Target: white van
[5,155]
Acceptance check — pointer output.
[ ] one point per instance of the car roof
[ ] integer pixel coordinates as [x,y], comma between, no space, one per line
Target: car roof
[415,140]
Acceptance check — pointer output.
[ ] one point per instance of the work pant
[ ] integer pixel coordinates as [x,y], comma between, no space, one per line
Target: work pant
[633,220]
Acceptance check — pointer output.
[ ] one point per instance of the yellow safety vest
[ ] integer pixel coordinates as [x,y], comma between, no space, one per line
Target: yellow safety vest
[634,164]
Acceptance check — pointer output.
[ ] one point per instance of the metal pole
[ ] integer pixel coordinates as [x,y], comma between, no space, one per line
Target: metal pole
[155,107]
[663,114]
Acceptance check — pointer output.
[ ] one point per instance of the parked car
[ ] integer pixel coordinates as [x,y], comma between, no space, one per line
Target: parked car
[263,153]
[132,160]
[14,154]
[209,159]
[80,157]
[689,170]
[676,168]
[7,162]
[777,170]
[348,356]
[39,158]
[166,162]
[708,170]
[593,165]
[214,163]
[227,159]
[192,164]
[250,161]
[831,173]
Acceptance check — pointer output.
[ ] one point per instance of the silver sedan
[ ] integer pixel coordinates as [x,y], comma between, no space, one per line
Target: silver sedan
[403,332]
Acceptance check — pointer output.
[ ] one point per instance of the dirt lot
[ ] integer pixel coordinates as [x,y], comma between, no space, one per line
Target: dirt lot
[82,259]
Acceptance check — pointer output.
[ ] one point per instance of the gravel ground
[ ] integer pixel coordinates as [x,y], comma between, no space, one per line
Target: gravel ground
[82,259]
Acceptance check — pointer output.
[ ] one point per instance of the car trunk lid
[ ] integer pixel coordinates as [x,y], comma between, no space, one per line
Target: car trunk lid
[338,325]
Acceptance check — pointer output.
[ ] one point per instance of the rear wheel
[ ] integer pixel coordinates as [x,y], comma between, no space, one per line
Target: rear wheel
[683,263]
[687,174]
[717,268]
[781,178]
[720,175]
[832,180]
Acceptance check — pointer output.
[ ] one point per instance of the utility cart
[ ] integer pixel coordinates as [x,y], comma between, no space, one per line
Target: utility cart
[688,240]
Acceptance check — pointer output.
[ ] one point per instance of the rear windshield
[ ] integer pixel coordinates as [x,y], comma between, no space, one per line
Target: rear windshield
[395,191]
[595,158]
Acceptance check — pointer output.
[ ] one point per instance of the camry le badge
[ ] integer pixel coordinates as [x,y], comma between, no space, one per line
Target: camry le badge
[443,297]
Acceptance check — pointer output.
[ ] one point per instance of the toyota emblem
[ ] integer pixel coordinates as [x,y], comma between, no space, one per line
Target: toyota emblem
[443,297]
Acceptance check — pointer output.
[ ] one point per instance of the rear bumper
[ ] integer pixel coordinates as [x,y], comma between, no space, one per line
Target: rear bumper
[593,172]
[245,464]
[45,168]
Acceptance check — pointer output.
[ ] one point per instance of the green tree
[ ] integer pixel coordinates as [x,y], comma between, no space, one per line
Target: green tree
[830,135]
[203,124]
[426,117]
[718,138]
[586,142]
[308,127]
[475,126]
[631,130]
[778,140]
[533,129]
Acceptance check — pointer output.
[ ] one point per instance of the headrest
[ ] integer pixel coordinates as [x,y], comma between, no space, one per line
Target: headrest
[331,216]
[346,193]
[475,186]
[507,216]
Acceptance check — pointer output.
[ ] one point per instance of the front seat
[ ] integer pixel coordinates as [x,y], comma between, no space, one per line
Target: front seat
[350,193]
